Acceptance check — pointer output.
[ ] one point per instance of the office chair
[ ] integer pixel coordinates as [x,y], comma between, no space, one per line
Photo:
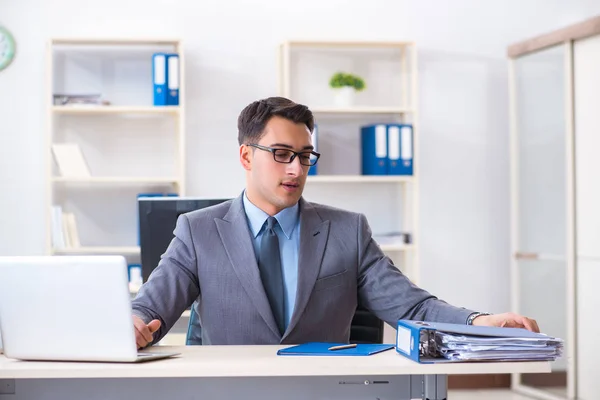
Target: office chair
[365,328]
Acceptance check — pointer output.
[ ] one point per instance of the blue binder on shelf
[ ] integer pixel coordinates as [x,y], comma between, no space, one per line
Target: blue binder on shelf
[400,149]
[315,141]
[172,79]
[159,78]
[374,150]
[420,342]
[322,349]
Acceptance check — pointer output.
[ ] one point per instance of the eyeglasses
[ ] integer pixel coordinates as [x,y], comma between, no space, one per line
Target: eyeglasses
[286,156]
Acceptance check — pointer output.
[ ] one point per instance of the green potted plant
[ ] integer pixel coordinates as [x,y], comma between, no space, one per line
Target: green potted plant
[345,85]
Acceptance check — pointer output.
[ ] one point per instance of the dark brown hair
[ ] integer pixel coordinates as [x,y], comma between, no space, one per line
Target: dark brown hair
[253,118]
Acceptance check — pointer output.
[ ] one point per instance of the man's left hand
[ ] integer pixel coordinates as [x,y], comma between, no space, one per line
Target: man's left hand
[507,320]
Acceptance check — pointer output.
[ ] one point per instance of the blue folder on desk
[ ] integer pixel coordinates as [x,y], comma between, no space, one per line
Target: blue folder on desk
[322,349]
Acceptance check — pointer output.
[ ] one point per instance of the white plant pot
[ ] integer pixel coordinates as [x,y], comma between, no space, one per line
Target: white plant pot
[343,97]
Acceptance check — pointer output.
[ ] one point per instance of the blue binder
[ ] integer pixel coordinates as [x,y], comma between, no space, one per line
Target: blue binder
[159,78]
[322,349]
[400,149]
[374,158]
[315,139]
[172,79]
[412,337]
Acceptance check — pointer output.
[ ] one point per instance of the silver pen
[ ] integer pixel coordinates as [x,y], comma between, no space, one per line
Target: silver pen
[342,347]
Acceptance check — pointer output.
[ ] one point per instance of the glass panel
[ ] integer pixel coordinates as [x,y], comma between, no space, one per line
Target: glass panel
[542,296]
[540,94]
[541,153]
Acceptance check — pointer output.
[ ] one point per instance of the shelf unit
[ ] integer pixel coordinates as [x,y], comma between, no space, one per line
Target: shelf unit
[116,110]
[398,247]
[123,250]
[116,180]
[362,110]
[306,81]
[360,179]
[128,144]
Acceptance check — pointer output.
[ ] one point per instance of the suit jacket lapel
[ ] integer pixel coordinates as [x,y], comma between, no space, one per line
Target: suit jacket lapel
[313,238]
[236,237]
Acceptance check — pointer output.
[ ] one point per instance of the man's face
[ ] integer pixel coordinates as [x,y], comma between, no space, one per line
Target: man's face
[271,185]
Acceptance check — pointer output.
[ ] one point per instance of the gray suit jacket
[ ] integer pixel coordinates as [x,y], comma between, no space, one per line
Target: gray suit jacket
[211,259]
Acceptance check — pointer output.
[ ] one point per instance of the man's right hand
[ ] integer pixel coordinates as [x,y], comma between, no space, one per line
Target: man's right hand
[143,331]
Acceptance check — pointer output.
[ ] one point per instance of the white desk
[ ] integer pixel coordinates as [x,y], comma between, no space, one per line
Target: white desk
[242,372]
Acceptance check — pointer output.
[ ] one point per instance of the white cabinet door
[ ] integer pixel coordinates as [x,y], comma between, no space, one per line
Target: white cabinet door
[588,329]
[540,201]
[587,145]
[541,154]
[586,67]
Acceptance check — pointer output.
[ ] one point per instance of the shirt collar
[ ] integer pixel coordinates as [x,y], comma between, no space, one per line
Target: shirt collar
[287,218]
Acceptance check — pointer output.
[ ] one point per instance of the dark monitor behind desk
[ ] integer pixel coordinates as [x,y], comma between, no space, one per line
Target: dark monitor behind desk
[157,220]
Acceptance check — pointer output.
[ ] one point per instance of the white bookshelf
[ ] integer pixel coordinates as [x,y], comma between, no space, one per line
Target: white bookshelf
[129,145]
[117,180]
[74,41]
[123,250]
[115,110]
[390,73]
[359,179]
[399,247]
[361,110]
[360,45]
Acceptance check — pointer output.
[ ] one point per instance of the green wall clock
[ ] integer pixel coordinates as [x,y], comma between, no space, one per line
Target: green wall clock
[7,48]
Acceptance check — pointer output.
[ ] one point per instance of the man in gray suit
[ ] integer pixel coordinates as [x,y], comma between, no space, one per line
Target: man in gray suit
[293,278]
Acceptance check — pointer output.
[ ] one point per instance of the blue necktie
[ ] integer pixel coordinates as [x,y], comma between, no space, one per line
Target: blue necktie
[269,265]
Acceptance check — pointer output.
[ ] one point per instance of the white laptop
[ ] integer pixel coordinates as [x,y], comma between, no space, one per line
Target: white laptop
[68,308]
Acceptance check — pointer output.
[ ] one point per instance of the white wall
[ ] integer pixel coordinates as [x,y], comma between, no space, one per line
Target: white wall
[231,60]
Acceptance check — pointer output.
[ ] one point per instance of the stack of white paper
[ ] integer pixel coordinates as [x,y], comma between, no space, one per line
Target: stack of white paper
[480,348]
